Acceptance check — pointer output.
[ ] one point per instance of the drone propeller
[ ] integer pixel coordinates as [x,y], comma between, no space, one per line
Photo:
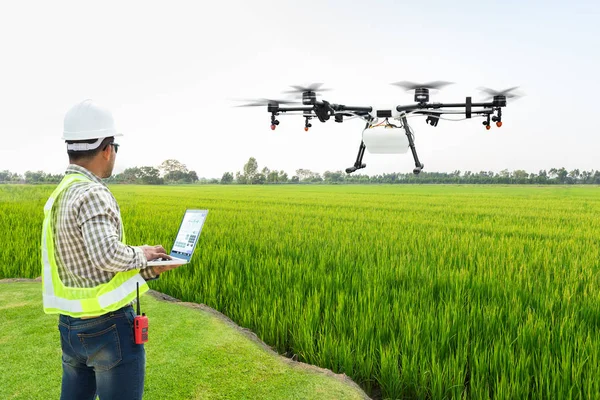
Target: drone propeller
[308,94]
[313,87]
[422,89]
[265,102]
[508,93]
[429,85]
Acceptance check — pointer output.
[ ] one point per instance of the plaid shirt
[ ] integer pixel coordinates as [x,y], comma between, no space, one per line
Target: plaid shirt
[87,233]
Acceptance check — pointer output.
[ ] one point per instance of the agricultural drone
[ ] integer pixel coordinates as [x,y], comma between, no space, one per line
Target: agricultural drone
[386,130]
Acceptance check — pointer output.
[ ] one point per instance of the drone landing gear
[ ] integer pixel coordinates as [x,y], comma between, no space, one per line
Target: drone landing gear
[358,164]
[418,165]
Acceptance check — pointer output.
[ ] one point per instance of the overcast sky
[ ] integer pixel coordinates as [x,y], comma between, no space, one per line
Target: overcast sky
[169,72]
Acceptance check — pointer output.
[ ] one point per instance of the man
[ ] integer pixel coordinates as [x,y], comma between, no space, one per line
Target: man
[90,276]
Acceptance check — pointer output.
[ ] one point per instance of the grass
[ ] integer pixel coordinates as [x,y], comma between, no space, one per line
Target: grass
[191,355]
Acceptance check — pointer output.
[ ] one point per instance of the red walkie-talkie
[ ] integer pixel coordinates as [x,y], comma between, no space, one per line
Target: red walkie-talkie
[140,323]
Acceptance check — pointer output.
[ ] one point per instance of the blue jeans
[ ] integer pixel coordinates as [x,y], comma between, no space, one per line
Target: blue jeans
[100,357]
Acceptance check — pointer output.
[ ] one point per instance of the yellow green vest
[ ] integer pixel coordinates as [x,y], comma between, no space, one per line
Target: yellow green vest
[81,302]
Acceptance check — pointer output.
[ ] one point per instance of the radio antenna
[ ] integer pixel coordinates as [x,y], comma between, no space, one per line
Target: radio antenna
[138,297]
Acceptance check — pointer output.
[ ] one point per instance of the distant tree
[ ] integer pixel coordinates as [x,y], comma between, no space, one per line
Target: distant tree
[10,177]
[586,176]
[251,170]
[272,177]
[130,175]
[282,177]
[240,178]
[306,175]
[227,178]
[333,177]
[192,177]
[5,176]
[393,177]
[316,177]
[575,174]
[150,176]
[176,176]
[259,179]
[172,166]
[520,176]
[295,179]
[562,175]
[35,177]
[181,177]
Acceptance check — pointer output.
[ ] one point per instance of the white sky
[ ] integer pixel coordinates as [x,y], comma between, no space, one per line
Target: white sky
[168,71]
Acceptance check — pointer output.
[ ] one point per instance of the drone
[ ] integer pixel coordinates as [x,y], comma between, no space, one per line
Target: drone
[380,135]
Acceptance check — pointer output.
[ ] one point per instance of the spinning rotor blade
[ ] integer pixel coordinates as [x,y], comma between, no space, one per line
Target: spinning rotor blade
[265,102]
[429,85]
[508,93]
[313,87]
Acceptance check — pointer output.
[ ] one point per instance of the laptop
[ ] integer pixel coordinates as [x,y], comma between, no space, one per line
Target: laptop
[186,239]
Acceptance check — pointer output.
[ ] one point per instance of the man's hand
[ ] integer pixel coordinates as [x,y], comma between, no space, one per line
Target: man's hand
[154,252]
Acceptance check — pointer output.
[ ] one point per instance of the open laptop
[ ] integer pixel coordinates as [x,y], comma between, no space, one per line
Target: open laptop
[186,239]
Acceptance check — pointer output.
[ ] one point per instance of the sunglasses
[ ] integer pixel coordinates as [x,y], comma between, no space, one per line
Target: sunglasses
[115,145]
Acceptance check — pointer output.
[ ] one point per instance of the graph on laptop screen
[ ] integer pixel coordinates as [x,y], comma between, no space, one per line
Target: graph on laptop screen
[189,232]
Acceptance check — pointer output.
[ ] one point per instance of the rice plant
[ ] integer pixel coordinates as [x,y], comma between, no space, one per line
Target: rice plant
[413,291]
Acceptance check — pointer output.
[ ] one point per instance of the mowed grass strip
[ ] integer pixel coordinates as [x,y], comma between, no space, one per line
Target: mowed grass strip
[192,354]
[417,291]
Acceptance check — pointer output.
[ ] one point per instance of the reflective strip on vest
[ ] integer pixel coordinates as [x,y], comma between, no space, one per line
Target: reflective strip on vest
[81,302]
[121,292]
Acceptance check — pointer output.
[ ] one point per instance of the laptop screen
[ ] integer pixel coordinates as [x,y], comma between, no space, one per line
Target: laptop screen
[188,234]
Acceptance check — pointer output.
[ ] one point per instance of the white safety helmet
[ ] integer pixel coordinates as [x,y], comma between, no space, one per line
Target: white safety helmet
[86,121]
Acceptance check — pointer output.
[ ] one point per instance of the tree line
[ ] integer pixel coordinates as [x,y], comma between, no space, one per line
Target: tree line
[169,172]
[175,172]
[252,174]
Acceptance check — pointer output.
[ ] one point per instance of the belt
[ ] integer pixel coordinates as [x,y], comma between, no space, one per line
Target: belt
[98,316]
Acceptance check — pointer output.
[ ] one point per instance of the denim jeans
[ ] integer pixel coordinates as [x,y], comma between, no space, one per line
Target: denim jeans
[100,357]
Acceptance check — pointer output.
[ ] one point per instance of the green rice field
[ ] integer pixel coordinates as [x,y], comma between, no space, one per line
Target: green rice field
[416,292]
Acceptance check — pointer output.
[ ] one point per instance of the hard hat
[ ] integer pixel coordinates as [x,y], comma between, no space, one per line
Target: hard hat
[86,121]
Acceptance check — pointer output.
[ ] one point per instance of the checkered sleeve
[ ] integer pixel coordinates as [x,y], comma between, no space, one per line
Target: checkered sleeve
[100,222]
[147,273]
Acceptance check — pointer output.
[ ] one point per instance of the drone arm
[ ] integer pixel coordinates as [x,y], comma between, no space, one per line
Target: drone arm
[454,112]
[285,109]
[341,107]
[410,108]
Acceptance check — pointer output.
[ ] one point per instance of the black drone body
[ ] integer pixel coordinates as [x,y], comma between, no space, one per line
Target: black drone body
[490,110]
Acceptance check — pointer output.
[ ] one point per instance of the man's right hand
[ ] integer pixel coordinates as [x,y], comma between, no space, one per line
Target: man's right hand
[154,252]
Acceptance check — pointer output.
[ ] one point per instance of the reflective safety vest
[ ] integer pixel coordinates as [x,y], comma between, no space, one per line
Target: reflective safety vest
[81,302]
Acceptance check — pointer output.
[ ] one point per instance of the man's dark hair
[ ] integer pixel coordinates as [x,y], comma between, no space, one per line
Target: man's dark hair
[75,156]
